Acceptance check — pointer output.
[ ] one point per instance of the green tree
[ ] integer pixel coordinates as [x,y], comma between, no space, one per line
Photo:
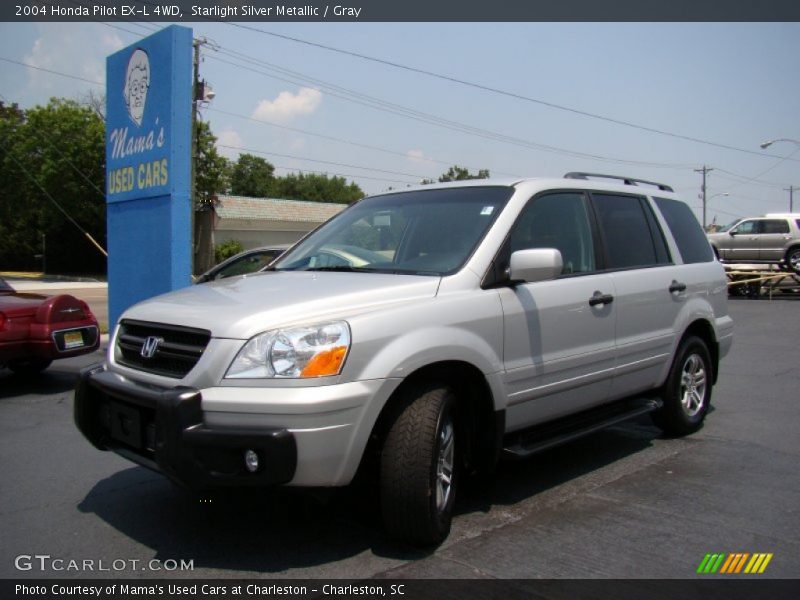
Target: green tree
[213,169]
[55,151]
[456,173]
[252,176]
[317,188]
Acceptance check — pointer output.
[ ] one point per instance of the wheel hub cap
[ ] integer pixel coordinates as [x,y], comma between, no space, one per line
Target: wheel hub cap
[445,465]
[693,385]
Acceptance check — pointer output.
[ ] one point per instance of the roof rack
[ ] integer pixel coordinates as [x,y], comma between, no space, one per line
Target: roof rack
[628,180]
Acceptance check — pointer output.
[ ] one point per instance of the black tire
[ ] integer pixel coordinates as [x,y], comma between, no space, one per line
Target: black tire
[687,392]
[417,485]
[793,260]
[31,366]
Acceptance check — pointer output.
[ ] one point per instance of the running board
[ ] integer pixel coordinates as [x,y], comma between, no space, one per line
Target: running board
[541,437]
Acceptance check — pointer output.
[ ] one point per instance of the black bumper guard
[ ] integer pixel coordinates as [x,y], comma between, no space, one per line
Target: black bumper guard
[163,429]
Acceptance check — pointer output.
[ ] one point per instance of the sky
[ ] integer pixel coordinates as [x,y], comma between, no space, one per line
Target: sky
[563,98]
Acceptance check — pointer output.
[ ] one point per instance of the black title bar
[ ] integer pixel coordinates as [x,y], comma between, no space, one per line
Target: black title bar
[400,10]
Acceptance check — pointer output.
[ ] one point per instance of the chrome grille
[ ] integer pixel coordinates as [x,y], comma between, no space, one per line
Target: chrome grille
[177,352]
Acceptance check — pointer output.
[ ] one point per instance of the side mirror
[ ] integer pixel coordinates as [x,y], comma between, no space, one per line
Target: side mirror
[732,233]
[536,264]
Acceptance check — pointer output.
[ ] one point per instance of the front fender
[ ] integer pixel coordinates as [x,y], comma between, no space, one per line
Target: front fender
[462,327]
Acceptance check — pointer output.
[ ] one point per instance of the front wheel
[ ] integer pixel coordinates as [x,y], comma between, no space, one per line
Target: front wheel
[419,471]
[687,392]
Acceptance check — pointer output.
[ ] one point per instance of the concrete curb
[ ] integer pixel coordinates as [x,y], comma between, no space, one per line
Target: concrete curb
[46,286]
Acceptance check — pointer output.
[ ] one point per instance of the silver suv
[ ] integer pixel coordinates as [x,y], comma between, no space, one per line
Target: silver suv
[484,318]
[772,239]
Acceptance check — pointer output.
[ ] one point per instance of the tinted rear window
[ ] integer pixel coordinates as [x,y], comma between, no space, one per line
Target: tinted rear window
[774,226]
[628,237]
[692,242]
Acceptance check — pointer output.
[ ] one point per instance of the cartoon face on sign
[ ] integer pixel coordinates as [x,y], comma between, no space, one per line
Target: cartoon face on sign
[137,81]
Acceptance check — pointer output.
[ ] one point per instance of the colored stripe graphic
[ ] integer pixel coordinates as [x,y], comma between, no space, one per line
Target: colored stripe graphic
[734,563]
[717,563]
[704,563]
[725,567]
[711,563]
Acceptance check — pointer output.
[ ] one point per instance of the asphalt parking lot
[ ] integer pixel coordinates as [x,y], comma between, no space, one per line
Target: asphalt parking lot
[623,503]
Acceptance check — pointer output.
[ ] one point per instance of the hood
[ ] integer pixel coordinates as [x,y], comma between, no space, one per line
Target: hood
[242,307]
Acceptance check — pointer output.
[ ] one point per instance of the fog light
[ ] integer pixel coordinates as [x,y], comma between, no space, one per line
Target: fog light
[251,461]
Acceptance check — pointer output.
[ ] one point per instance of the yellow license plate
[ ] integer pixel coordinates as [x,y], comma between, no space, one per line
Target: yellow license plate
[73,339]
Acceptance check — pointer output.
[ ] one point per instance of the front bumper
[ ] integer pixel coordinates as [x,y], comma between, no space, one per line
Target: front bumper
[163,429]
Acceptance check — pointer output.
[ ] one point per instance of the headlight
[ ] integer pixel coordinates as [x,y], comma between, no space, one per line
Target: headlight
[299,352]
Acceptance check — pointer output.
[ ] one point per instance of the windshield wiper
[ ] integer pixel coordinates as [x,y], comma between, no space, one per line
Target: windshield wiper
[343,268]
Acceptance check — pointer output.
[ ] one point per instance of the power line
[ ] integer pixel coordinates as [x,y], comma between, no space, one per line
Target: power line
[294,129]
[327,162]
[328,137]
[344,175]
[252,119]
[442,122]
[490,89]
[739,179]
[378,104]
[746,180]
[30,66]
[57,205]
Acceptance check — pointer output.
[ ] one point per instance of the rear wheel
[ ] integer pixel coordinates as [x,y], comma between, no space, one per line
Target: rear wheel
[419,467]
[793,260]
[687,392]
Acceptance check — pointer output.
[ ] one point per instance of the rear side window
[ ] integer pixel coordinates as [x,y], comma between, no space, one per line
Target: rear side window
[630,240]
[774,226]
[692,242]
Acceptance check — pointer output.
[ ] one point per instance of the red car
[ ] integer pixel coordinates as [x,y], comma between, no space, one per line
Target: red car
[36,329]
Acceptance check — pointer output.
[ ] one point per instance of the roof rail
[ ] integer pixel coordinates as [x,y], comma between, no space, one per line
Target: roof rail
[628,180]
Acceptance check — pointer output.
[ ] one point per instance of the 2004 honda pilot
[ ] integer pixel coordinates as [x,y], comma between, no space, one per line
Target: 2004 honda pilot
[427,332]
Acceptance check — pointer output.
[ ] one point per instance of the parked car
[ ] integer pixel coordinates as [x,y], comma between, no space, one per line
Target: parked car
[36,329]
[491,318]
[245,262]
[771,239]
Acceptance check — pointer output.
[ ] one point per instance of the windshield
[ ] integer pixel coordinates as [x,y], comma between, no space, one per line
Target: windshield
[730,225]
[425,232]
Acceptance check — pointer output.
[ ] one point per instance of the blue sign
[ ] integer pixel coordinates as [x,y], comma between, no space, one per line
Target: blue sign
[141,129]
[148,167]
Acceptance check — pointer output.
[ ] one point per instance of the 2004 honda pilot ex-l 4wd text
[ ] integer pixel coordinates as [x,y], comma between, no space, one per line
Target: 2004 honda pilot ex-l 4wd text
[422,334]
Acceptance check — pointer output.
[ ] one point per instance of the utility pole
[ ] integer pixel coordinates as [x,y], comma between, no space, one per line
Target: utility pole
[791,190]
[202,93]
[195,139]
[705,170]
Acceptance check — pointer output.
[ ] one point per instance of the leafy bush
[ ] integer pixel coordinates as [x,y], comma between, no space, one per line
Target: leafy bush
[227,249]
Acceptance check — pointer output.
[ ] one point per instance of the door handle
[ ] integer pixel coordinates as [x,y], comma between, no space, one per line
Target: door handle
[676,286]
[600,298]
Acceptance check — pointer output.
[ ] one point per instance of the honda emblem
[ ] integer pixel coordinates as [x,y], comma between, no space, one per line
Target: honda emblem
[150,346]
